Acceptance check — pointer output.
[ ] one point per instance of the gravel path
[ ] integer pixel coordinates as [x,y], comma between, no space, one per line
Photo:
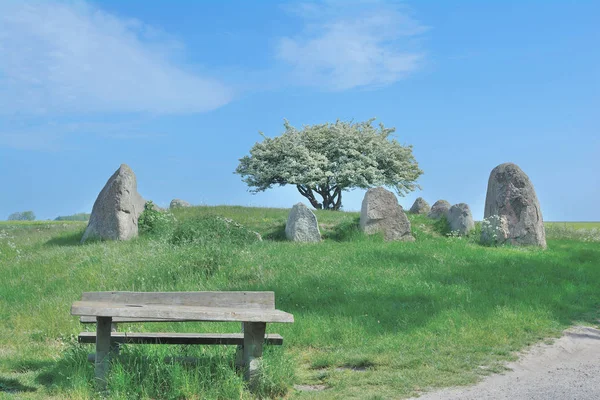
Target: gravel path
[567,369]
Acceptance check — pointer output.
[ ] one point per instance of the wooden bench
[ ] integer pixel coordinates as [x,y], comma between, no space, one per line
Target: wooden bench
[107,309]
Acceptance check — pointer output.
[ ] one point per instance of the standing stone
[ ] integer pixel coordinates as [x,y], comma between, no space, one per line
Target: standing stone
[460,219]
[179,203]
[380,212]
[420,206]
[511,195]
[117,209]
[439,209]
[302,225]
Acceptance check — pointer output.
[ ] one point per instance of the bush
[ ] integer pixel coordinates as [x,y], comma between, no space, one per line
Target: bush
[22,216]
[442,226]
[212,229]
[155,222]
[494,230]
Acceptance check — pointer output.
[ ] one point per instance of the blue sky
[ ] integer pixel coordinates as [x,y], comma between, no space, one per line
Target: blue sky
[180,90]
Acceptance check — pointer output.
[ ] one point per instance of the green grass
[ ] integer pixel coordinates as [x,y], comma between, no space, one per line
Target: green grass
[373,319]
[581,231]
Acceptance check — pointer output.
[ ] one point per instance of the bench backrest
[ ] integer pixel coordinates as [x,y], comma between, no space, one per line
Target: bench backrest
[245,300]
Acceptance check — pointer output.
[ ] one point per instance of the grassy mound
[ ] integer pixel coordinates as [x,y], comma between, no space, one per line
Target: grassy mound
[374,319]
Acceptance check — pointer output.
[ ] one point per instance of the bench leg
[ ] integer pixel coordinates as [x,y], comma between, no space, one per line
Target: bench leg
[115,348]
[103,328]
[254,337]
[239,354]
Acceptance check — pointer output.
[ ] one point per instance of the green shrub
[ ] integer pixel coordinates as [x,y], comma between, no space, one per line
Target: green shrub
[442,226]
[155,222]
[210,229]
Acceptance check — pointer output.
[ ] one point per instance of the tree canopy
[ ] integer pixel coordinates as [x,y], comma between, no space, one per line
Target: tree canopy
[329,158]
[22,216]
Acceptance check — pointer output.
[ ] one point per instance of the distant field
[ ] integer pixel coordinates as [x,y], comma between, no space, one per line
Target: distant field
[39,223]
[575,225]
[374,319]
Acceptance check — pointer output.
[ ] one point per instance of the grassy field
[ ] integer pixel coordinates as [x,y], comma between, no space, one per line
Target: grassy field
[374,319]
[575,225]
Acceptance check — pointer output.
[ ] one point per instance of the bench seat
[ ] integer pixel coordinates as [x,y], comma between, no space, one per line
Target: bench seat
[178,338]
[180,312]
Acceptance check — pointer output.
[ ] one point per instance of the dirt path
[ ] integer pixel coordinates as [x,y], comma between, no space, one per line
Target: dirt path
[567,369]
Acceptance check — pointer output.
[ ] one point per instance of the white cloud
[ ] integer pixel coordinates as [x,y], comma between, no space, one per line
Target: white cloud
[49,134]
[351,44]
[73,58]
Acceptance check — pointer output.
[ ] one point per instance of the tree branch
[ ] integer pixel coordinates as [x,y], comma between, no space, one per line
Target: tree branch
[308,193]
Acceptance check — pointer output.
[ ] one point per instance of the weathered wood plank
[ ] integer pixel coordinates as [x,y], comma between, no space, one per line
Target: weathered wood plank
[180,312]
[179,338]
[86,319]
[260,300]
[102,351]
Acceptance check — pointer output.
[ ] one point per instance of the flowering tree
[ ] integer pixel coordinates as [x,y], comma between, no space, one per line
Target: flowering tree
[327,159]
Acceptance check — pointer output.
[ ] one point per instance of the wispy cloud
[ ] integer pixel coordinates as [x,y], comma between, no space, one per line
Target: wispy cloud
[59,58]
[348,44]
[56,134]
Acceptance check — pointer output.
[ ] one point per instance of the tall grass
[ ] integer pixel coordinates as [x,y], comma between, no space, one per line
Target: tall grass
[373,318]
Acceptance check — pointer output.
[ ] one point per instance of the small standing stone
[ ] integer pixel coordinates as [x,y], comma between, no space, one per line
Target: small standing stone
[179,203]
[420,206]
[439,209]
[117,209]
[510,194]
[380,212]
[302,225]
[460,219]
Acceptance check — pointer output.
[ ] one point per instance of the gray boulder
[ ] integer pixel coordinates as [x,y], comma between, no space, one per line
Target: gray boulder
[117,209]
[439,209]
[179,203]
[510,194]
[302,225]
[380,212]
[460,219]
[420,206]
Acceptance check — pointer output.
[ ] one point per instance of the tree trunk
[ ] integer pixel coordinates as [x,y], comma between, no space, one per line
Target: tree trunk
[308,193]
[332,196]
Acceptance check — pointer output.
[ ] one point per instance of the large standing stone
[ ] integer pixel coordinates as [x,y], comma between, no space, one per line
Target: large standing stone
[117,209]
[439,209]
[175,203]
[381,212]
[420,206]
[302,225]
[460,219]
[510,194]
